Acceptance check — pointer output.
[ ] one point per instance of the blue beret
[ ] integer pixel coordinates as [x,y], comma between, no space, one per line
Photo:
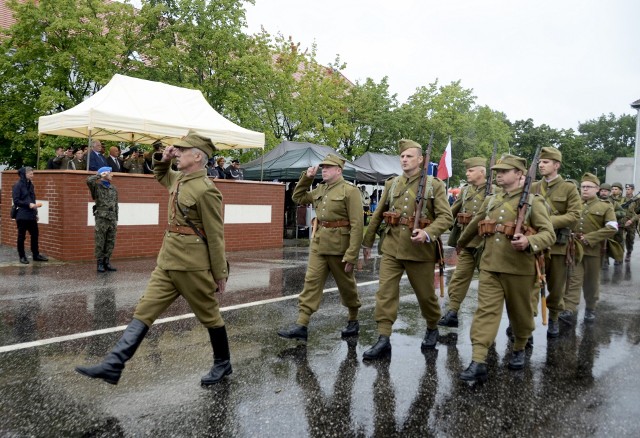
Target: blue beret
[104,169]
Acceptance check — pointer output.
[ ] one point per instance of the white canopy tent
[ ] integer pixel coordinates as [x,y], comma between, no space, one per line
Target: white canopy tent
[136,110]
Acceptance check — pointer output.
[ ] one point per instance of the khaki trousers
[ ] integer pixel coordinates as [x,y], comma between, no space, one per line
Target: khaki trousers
[314,280]
[421,276]
[585,277]
[197,287]
[494,289]
[461,279]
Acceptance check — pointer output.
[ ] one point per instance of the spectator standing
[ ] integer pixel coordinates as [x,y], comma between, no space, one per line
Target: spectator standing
[95,159]
[54,163]
[114,161]
[134,163]
[148,163]
[234,171]
[24,198]
[366,203]
[105,212]
[220,168]
[78,162]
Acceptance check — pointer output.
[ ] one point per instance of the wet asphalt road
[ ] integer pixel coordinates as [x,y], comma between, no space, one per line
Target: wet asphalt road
[585,383]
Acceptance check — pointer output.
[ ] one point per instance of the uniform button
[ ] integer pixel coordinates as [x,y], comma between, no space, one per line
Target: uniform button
[498,239]
[500,218]
[405,206]
[406,199]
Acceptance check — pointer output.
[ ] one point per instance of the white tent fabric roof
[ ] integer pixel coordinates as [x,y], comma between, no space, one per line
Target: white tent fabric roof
[136,110]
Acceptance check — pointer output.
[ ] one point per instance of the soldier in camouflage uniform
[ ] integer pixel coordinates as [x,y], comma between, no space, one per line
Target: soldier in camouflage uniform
[335,245]
[405,249]
[463,210]
[191,262]
[507,267]
[564,203]
[596,224]
[105,212]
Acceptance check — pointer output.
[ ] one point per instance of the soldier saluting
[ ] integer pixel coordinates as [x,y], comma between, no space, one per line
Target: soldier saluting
[105,212]
[405,249]
[191,261]
[335,245]
[507,267]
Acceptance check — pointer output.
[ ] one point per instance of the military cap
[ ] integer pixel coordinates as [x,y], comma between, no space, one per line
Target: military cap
[605,186]
[474,162]
[405,144]
[511,162]
[617,184]
[629,186]
[194,140]
[591,178]
[104,169]
[333,160]
[550,153]
[157,144]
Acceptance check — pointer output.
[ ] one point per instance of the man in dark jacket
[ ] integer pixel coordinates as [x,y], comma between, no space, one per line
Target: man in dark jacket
[24,198]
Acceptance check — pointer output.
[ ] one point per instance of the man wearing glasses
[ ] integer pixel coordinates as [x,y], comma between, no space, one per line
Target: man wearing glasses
[597,223]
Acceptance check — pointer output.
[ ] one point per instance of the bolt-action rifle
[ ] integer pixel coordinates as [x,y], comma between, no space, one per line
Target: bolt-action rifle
[489,188]
[523,207]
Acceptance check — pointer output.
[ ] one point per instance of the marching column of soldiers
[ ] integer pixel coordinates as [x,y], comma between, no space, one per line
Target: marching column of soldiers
[519,235]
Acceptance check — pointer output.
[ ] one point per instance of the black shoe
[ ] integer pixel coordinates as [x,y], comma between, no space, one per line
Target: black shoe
[111,368]
[381,350]
[627,257]
[352,329]
[108,265]
[430,339]
[509,333]
[517,360]
[450,319]
[554,329]
[589,315]
[529,342]
[567,316]
[40,258]
[24,260]
[294,331]
[476,372]
[101,266]
[221,356]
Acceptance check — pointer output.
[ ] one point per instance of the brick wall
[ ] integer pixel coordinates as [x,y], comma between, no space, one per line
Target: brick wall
[68,237]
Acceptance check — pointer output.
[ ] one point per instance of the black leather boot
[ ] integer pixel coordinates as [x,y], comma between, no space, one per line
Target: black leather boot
[294,331]
[450,319]
[475,372]
[101,265]
[554,329]
[430,339]
[381,350]
[589,315]
[567,316]
[107,265]
[221,356]
[517,360]
[112,365]
[352,329]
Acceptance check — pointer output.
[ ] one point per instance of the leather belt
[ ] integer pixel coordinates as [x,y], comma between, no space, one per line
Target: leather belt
[335,224]
[500,228]
[183,230]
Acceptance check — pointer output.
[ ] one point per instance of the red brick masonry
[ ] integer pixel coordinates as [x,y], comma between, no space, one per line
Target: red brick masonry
[68,237]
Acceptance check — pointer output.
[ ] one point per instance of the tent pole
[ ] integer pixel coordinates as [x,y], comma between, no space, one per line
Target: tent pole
[38,153]
[89,151]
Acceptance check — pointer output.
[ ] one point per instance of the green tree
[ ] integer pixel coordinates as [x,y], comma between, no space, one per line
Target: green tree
[56,54]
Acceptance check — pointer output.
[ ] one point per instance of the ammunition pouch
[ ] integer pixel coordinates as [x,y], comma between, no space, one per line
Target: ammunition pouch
[464,218]
[562,236]
[391,218]
[487,227]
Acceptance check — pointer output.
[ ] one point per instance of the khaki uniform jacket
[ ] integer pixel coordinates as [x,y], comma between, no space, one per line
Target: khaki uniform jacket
[397,239]
[469,201]
[564,201]
[134,165]
[499,255]
[197,194]
[338,201]
[594,216]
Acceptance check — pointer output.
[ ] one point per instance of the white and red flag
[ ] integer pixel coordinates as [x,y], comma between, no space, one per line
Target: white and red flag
[445,168]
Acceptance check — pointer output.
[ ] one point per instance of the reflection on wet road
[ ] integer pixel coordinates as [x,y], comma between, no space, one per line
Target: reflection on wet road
[583,383]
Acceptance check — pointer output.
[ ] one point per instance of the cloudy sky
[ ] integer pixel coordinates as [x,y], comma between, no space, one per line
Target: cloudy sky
[559,62]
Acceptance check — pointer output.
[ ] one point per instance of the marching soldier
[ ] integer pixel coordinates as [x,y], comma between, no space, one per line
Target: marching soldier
[335,244]
[507,266]
[404,249]
[597,223]
[604,192]
[621,215]
[191,262]
[631,222]
[564,203]
[464,209]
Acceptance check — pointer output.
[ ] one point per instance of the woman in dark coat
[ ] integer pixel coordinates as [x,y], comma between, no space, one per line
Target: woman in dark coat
[24,198]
